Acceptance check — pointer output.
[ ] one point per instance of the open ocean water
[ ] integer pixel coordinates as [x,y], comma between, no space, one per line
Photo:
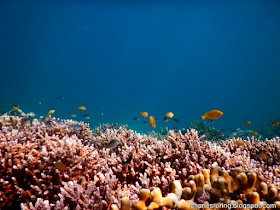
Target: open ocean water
[124,57]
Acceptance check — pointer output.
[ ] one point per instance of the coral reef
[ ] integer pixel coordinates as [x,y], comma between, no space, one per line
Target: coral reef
[208,130]
[210,187]
[62,164]
[269,131]
[243,134]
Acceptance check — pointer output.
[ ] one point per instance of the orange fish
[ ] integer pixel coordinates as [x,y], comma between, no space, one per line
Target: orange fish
[255,133]
[169,114]
[262,156]
[247,123]
[238,142]
[82,108]
[16,107]
[275,125]
[144,114]
[212,115]
[59,165]
[152,121]
[51,112]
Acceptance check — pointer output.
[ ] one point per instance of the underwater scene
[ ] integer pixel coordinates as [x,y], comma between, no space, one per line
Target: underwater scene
[139,105]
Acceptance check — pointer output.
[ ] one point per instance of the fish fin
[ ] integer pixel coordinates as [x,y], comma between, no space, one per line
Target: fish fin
[203,117]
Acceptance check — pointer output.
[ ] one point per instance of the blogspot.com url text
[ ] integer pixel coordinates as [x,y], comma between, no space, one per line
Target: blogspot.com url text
[233,206]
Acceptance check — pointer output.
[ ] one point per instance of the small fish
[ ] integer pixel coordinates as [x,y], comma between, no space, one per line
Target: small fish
[59,122]
[129,159]
[101,113]
[40,102]
[165,119]
[144,114]
[111,125]
[86,116]
[61,97]
[145,122]
[169,114]
[175,120]
[247,123]
[50,112]
[82,108]
[212,115]
[174,129]
[238,142]
[72,115]
[149,132]
[47,121]
[78,127]
[152,121]
[255,133]
[112,144]
[28,120]
[262,156]
[275,125]
[108,125]
[59,165]
[136,118]
[15,107]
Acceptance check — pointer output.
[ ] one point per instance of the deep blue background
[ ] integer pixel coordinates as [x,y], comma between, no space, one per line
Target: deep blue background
[121,58]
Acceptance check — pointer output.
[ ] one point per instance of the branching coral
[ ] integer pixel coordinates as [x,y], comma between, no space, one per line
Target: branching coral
[93,176]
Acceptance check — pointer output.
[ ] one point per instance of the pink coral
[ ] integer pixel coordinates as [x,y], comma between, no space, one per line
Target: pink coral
[97,177]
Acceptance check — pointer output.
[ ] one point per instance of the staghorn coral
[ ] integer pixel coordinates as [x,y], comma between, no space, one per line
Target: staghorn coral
[96,177]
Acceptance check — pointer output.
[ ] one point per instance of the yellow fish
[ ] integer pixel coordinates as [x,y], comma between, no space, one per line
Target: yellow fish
[275,125]
[247,123]
[255,133]
[238,142]
[60,165]
[144,114]
[169,114]
[212,115]
[82,108]
[51,112]
[152,121]
[16,107]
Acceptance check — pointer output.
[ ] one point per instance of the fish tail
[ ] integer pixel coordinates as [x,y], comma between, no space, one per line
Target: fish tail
[203,117]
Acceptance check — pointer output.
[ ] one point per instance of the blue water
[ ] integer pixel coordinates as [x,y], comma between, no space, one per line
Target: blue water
[123,57]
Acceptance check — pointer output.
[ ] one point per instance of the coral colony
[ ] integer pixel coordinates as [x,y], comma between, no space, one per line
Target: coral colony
[62,164]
